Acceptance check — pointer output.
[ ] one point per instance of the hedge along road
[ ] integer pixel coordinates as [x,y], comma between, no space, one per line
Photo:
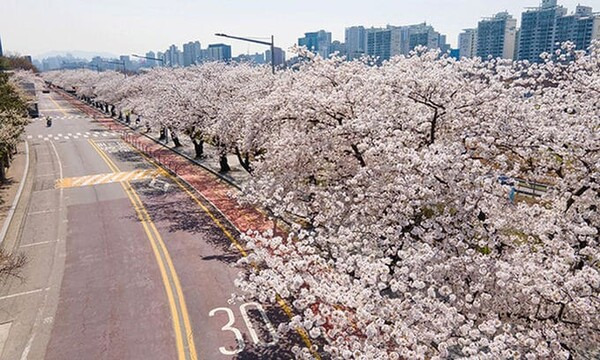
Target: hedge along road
[145,273]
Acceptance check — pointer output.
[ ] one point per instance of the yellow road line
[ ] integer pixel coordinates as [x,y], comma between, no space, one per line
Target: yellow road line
[186,348]
[59,107]
[99,179]
[282,303]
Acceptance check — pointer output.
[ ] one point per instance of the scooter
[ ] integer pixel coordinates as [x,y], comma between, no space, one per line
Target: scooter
[48,122]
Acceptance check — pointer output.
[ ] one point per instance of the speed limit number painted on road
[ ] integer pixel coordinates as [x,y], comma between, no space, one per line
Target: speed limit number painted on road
[230,326]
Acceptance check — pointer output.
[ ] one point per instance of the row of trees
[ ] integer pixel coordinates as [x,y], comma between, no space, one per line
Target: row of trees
[13,116]
[405,244]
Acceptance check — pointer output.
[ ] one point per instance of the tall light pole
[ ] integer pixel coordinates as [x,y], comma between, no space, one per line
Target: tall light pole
[271,44]
[149,58]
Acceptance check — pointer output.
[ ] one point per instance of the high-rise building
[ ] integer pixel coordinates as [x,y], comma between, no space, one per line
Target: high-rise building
[161,55]
[467,43]
[191,53]
[148,62]
[126,61]
[496,36]
[356,41]
[581,28]
[172,57]
[318,42]
[538,30]
[338,48]
[219,52]
[279,56]
[385,43]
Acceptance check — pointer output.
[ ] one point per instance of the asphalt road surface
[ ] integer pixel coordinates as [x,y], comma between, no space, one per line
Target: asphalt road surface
[123,263]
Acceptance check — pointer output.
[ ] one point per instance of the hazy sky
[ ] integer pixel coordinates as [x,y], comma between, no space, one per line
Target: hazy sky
[136,26]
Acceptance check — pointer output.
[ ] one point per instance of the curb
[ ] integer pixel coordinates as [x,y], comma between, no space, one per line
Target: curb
[11,211]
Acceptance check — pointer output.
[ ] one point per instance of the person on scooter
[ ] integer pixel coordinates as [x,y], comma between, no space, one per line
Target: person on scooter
[48,121]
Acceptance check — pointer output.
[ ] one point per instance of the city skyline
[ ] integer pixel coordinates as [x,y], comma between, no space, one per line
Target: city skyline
[152,25]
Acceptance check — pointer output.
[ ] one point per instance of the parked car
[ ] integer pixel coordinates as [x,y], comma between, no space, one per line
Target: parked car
[45,90]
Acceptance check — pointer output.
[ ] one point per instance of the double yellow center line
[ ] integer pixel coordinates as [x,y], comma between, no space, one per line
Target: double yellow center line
[186,349]
[282,303]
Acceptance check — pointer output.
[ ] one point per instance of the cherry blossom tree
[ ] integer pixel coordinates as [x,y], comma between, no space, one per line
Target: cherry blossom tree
[403,242]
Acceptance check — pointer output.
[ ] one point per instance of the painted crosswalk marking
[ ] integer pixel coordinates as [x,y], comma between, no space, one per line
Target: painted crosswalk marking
[70,136]
[98,179]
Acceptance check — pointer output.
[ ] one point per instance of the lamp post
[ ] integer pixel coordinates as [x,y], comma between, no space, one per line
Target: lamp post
[149,58]
[271,44]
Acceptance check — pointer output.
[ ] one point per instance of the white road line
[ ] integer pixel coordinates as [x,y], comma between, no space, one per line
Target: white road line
[85,136]
[56,138]
[37,243]
[46,139]
[29,137]
[87,132]
[66,138]
[78,134]
[95,135]
[40,136]
[69,134]
[22,293]
[75,137]
[41,211]
[59,135]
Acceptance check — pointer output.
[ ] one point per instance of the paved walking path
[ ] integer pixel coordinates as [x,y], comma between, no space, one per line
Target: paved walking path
[219,192]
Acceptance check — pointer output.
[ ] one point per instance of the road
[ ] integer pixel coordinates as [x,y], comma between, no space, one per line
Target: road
[123,263]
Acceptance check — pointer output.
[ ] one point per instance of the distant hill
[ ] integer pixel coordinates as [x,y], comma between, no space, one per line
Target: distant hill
[76,54]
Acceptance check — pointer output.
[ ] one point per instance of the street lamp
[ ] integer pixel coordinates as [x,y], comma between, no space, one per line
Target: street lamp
[149,58]
[271,44]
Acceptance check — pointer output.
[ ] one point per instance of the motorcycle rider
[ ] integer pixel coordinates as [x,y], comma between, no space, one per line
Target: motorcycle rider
[48,121]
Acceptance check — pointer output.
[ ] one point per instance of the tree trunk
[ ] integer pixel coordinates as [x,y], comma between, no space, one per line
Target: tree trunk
[2,173]
[223,163]
[3,166]
[198,147]
[244,160]
[175,139]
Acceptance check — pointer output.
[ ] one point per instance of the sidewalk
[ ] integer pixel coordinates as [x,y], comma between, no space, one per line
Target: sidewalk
[9,190]
[201,175]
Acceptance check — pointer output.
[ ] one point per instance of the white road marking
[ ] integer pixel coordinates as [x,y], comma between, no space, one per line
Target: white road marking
[69,134]
[42,211]
[75,137]
[56,138]
[95,135]
[66,138]
[78,134]
[59,135]
[29,137]
[85,136]
[22,293]
[40,136]
[36,244]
